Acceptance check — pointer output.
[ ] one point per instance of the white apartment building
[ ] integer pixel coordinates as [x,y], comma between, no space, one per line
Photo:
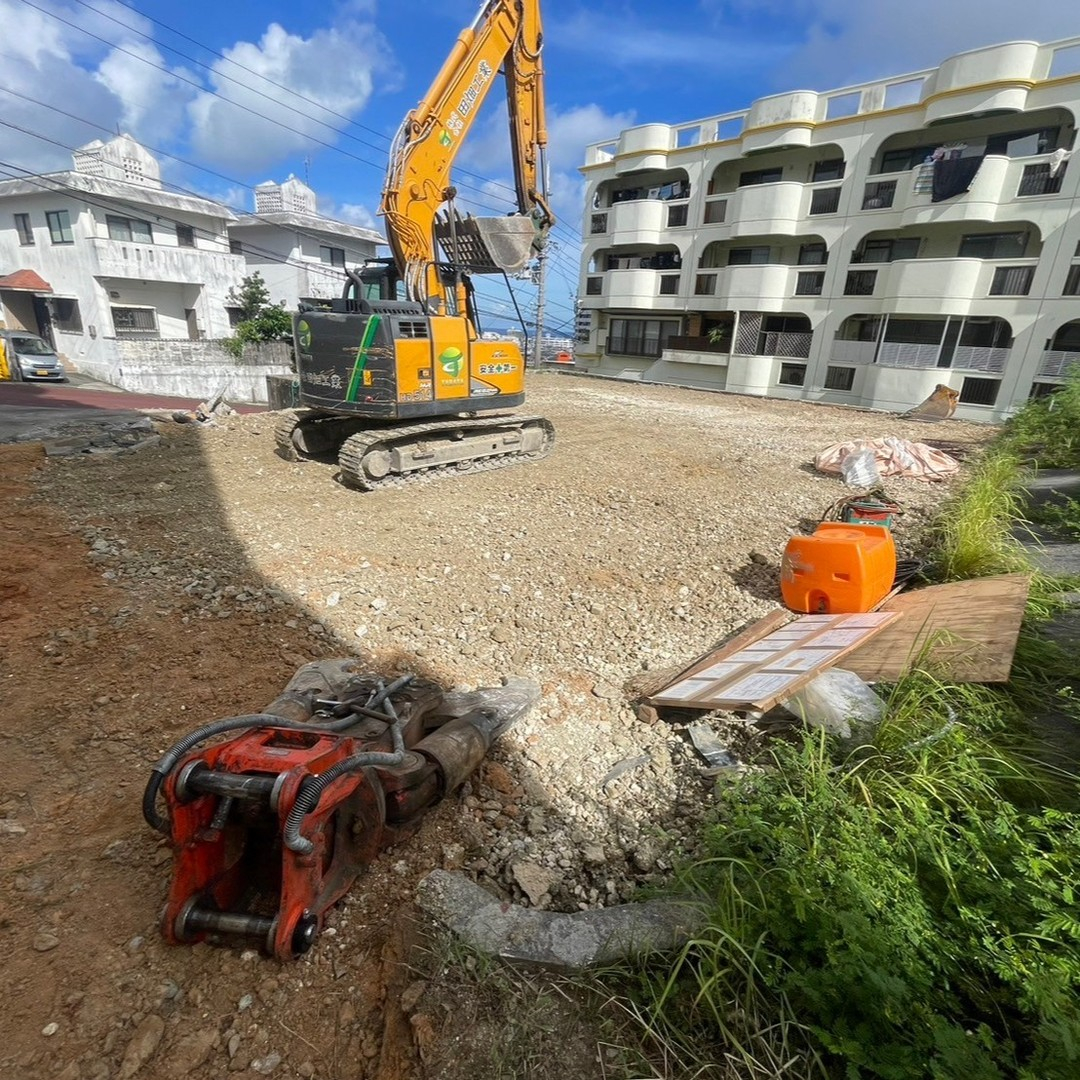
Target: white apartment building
[103,253]
[856,246]
[300,254]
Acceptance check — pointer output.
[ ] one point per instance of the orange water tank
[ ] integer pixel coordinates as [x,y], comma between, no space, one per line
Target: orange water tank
[842,568]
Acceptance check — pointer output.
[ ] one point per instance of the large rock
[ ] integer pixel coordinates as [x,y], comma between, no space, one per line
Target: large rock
[490,925]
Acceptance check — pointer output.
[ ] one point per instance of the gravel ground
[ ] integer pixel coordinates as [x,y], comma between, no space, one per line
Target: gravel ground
[653,530]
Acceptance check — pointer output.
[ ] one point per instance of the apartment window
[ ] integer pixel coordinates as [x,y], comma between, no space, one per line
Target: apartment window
[1072,281]
[135,321]
[883,251]
[761,176]
[705,284]
[59,222]
[993,245]
[332,255]
[235,247]
[860,283]
[669,285]
[979,391]
[1045,389]
[902,160]
[24,229]
[813,255]
[676,215]
[715,212]
[748,256]
[640,337]
[130,230]
[879,195]
[598,224]
[833,169]
[792,375]
[1038,181]
[594,286]
[64,312]
[810,283]
[1012,281]
[839,378]
[825,201]
[185,236]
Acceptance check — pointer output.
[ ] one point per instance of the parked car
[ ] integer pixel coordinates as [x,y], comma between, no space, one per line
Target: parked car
[31,357]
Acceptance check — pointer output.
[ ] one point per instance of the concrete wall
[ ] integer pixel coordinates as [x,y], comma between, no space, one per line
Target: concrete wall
[199,369]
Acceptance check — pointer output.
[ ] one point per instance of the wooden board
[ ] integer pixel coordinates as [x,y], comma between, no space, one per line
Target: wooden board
[962,632]
[770,660]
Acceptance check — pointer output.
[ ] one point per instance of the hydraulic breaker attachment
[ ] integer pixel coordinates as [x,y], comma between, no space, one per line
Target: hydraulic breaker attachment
[272,825]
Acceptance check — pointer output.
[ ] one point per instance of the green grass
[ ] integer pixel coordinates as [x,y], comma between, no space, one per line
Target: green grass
[1047,429]
[1060,516]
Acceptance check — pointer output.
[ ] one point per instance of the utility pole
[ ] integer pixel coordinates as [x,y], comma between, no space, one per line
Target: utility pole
[542,274]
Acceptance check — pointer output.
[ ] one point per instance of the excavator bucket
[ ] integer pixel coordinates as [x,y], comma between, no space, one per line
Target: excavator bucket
[488,245]
[940,405]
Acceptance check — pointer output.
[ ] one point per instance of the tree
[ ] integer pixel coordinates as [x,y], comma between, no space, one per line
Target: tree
[259,319]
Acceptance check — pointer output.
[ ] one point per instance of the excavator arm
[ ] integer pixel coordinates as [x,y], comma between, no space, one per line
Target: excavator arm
[506,35]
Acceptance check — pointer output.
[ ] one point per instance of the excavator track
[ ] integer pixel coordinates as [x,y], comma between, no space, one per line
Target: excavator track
[394,456]
[287,423]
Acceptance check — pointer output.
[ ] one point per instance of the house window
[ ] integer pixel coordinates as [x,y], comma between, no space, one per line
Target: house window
[598,224]
[594,286]
[833,169]
[825,201]
[64,312]
[332,255]
[676,215]
[792,375]
[1072,281]
[879,196]
[1012,281]
[130,230]
[715,212]
[979,391]
[640,337]
[135,321]
[810,283]
[235,247]
[860,283]
[813,255]
[669,285]
[236,316]
[748,256]
[185,236]
[761,176]
[705,284]
[59,222]
[839,378]
[993,245]
[24,229]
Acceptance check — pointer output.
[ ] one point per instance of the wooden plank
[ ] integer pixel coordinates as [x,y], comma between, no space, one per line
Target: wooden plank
[755,671]
[965,631]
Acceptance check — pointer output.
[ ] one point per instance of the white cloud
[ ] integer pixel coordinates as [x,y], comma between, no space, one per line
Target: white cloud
[153,102]
[335,67]
[353,214]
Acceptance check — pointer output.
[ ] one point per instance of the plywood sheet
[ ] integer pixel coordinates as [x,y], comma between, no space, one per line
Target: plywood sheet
[965,631]
[770,661]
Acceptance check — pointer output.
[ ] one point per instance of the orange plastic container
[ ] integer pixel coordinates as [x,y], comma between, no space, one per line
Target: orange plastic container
[842,568]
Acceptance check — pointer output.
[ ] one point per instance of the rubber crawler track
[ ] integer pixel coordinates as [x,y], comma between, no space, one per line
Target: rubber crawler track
[356,446]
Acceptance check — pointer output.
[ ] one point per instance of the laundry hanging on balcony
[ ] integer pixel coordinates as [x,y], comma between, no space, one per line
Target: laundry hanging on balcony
[953,176]
[924,178]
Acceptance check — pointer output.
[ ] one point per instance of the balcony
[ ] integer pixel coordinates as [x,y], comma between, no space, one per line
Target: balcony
[979,358]
[696,350]
[639,288]
[764,209]
[749,286]
[156,262]
[787,343]
[934,286]
[906,354]
[853,352]
[1056,363]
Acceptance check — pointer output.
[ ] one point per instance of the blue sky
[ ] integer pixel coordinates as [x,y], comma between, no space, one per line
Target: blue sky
[151,68]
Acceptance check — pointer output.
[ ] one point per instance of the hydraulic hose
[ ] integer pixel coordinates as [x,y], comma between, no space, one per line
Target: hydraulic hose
[237,723]
[311,791]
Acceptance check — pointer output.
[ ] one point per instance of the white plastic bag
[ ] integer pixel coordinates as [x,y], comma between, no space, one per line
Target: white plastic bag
[859,468]
[839,701]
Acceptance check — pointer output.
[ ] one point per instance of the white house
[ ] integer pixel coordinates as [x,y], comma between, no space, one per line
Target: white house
[854,246]
[300,254]
[117,257]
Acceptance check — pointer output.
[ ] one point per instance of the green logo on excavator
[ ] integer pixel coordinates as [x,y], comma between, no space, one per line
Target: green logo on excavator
[303,334]
[452,361]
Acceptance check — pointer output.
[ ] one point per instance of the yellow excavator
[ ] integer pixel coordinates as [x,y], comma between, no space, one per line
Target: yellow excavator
[395,380]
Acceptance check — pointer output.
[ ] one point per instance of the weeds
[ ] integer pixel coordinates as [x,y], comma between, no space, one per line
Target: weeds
[1047,429]
[1060,517]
